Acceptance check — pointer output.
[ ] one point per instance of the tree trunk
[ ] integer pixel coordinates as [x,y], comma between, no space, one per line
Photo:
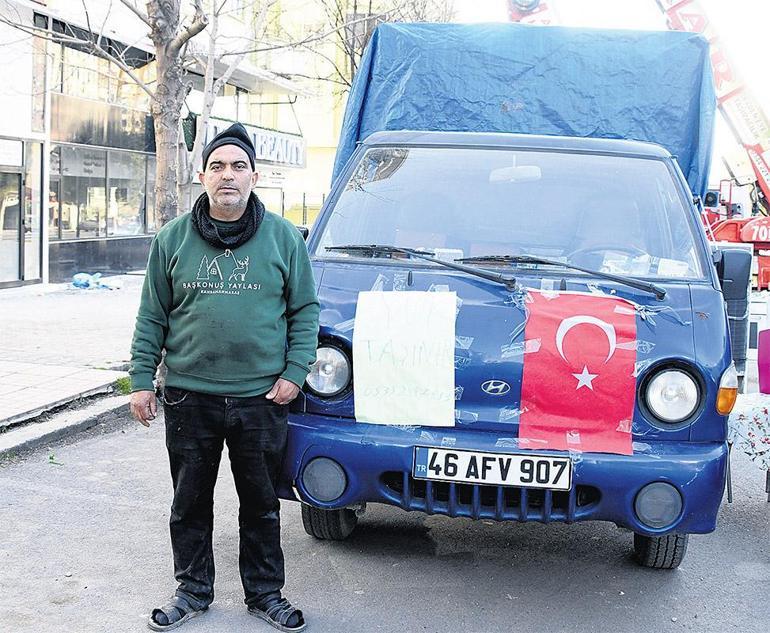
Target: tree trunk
[169,40]
[165,110]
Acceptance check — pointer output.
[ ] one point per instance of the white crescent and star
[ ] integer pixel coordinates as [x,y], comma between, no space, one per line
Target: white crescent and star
[585,377]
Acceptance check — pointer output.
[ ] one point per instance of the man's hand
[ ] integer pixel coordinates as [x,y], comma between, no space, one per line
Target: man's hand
[283,391]
[143,406]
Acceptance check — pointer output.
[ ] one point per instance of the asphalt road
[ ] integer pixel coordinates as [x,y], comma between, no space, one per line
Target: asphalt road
[84,547]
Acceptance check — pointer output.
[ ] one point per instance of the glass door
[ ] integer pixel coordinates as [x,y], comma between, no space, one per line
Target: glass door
[10,227]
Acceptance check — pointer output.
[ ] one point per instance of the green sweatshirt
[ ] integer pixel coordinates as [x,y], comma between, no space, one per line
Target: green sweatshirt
[231,322]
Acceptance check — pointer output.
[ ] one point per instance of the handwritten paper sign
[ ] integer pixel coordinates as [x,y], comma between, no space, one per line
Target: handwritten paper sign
[403,358]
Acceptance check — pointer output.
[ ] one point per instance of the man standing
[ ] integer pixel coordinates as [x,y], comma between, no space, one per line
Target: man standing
[229,294]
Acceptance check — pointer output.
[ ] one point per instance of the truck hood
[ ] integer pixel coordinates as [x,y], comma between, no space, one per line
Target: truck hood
[487,316]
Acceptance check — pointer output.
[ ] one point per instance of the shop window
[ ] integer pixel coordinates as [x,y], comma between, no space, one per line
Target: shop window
[77,72]
[33,182]
[54,195]
[85,75]
[126,92]
[125,193]
[83,208]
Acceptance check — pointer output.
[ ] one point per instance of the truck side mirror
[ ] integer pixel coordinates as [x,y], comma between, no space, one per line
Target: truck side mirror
[304,231]
[734,271]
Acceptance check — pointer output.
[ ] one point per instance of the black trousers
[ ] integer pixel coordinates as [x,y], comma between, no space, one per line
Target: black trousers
[197,425]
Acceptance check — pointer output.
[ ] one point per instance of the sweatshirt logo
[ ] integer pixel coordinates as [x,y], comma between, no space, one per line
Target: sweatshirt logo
[223,274]
[227,262]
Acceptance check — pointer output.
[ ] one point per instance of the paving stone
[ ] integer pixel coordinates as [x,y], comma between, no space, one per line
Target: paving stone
[54,339]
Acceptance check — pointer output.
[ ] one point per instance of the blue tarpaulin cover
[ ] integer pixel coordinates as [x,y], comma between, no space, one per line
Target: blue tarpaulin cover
[642,85]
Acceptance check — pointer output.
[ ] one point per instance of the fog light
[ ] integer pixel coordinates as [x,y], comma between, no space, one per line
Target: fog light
[658,504]
[324,479]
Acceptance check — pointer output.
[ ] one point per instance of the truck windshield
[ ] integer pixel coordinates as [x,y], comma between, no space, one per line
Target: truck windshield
[614,214]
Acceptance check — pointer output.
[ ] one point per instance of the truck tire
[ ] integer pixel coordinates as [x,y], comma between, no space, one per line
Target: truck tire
[660,552]
[328,525]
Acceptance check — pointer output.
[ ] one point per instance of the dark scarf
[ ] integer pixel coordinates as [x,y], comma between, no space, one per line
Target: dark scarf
[235,233]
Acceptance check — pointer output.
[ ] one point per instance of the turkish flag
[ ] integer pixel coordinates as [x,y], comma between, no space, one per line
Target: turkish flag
[578,387]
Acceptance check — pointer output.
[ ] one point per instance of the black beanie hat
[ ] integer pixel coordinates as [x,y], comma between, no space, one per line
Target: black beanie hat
[236,134]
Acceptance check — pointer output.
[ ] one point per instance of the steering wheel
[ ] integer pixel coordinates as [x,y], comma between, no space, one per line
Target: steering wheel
[633,251]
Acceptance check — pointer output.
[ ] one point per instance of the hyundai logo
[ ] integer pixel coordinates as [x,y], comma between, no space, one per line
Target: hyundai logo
[495,387]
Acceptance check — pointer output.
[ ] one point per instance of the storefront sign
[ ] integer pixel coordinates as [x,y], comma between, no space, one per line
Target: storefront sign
[83,162]
[11,152]
[271,178]
[274,148]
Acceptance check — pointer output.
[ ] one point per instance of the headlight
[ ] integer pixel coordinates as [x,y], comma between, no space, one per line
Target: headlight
[672,396]
[330,374]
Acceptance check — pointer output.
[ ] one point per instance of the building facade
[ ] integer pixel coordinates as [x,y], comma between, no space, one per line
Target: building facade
[22,148]
[77,152]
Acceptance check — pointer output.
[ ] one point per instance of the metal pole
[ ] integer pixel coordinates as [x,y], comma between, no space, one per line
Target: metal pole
[22,211]
[283,209]
[767,485]
[106,197]
[304,210]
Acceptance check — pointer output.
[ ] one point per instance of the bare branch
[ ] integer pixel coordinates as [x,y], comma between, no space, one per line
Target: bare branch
[221,6]
[199,22]
[12,42]
[136,11]
[333,64]
[104,22]
[35,31]
[125,68]
[210,90]
[212,87]
[222,80]
[316,78]
[351,38]
[307,40]
[88,17]
[62,38]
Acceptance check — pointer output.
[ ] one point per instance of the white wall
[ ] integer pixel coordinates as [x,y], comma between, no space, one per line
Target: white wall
[16,64]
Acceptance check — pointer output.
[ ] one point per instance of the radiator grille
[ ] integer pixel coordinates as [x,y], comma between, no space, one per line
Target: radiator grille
[502,503]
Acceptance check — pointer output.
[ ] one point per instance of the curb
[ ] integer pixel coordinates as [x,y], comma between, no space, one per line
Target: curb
[29,416]
[36,434]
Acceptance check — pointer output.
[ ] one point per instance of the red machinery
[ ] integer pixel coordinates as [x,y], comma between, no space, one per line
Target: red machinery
[740,110]
[749,126]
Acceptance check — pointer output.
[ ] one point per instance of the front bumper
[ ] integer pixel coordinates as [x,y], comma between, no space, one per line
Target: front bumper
[377,461]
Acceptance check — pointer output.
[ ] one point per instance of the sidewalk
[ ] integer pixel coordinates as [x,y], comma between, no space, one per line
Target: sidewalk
[59,344]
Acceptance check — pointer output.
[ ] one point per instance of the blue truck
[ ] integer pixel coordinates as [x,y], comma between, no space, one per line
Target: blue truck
[514,165]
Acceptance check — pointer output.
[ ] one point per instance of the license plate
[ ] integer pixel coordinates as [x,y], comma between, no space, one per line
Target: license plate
[498,469]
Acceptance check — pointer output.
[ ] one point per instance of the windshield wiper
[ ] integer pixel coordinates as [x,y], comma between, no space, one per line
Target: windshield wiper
[659,292]
[371,250]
